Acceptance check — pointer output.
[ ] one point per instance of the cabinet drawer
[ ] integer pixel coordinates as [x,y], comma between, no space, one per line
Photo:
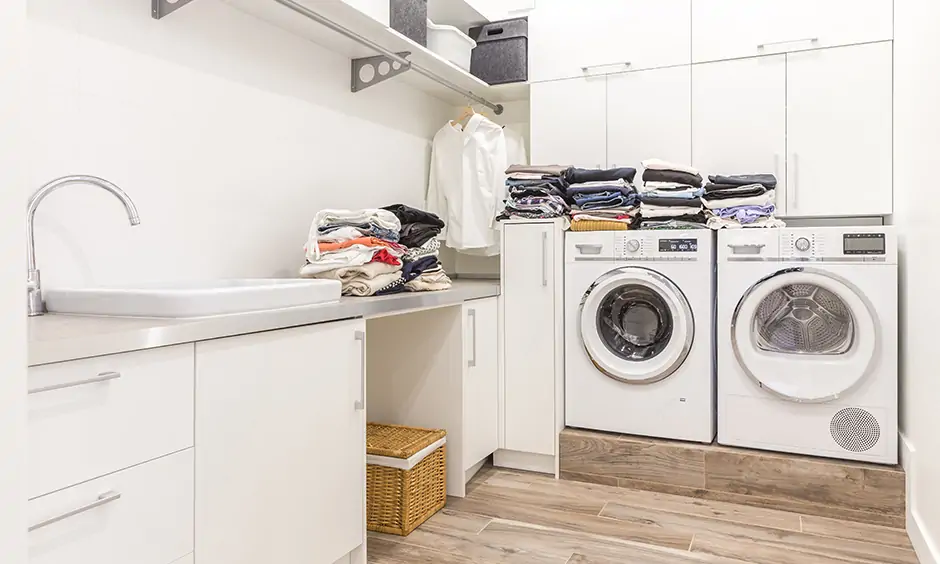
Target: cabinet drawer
[142,515]
[95,416]
[730,29]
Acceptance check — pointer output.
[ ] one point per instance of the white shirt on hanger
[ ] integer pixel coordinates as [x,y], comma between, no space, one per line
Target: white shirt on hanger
[467,182]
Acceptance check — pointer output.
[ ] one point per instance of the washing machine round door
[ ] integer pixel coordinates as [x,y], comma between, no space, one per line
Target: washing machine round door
[636,325]
[805,335]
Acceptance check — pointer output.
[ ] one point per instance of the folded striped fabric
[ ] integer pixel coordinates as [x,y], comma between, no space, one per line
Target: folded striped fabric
[593,225]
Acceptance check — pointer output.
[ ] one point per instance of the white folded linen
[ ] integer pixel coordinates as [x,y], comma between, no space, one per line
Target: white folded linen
[715,222]
[594,183]
[762,200]
[369,286]
[382,218]
[671,186]
[432,280]
[365,271]
[659,164]
[589,217]
[648,211]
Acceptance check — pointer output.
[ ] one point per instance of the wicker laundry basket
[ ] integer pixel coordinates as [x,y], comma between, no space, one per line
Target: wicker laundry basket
[405,477]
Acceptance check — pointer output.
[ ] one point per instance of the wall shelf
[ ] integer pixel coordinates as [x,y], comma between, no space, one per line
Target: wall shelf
[337,13]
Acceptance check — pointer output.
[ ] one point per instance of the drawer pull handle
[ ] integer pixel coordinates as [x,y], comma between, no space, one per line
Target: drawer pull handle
[812,40]
[102,377]
[103,499]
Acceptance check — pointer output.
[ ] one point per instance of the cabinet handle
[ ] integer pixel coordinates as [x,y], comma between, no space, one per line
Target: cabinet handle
[101,377]
[763,46]
[544,258]
[776,175]
[103,499]
[620,64]
[472,314]
[361,402]
[795,183]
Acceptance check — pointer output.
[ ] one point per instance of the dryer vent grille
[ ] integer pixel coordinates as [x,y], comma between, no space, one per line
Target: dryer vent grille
[855,429]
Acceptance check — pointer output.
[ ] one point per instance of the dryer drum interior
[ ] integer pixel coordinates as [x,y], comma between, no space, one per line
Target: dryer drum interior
[803,318]
[634,322]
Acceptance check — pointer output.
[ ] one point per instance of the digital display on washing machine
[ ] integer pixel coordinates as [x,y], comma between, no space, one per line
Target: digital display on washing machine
[678,245]
[863,244]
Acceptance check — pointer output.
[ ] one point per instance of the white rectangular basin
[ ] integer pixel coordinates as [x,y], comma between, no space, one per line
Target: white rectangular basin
[192,299]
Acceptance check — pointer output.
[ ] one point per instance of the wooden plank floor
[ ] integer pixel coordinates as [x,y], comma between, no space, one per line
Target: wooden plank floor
[514,517]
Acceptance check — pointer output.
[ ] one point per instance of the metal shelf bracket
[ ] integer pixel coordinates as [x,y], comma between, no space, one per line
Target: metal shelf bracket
[369,71]
[161,8]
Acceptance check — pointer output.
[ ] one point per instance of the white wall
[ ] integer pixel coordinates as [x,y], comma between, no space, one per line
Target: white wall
[12,291]
[916,146]
[228,133]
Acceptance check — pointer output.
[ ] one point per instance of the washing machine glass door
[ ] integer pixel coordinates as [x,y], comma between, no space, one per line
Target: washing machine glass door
[636,325]
[805,335]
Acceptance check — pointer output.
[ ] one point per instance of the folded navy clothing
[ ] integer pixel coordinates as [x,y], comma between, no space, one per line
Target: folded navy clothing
[577,175]
[610,200]
[689,218]
[714,187]
[653,175]
[556,181]
[734,192]
[626,190]
[767,180]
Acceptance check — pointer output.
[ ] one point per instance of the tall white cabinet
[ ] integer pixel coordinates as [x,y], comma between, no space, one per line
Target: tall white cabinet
[533,355]
[798,88]
[280,429]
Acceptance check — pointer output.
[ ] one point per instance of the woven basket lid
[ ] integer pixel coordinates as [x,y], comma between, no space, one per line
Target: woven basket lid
[397,441]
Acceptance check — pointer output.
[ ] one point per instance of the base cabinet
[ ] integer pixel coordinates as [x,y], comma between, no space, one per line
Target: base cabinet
[481,381]
[280,432]
[533,356]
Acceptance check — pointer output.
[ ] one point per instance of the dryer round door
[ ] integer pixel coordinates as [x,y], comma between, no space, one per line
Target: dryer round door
[805,335]
[636,325]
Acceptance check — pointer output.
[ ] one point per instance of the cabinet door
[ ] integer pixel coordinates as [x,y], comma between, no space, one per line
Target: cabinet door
[729,29]
[280,475]
[569,39]
[569,122]
[481,381]
[529,337]
[739,118]
[649,115]
[839,131]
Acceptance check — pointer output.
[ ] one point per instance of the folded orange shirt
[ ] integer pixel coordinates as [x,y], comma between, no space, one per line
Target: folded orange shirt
[366,241]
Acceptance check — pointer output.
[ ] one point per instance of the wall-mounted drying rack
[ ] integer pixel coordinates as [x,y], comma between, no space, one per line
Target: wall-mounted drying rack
[396,54]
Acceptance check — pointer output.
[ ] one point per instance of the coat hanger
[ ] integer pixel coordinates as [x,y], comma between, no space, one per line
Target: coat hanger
[467,113]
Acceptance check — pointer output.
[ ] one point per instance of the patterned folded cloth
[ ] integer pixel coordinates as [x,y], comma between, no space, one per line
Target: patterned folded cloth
[544,206]
[595,225]
[431,247]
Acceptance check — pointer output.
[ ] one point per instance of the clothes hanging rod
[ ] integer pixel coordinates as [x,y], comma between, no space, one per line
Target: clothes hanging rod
[308,13]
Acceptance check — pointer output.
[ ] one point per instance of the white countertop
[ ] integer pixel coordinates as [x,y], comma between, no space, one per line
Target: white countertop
[59,338]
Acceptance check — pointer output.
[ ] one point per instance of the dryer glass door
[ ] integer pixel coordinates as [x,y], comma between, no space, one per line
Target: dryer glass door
[636,325]
[805,335]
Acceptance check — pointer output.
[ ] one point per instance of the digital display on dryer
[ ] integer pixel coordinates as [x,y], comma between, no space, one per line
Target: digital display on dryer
[863,244]
[678,245]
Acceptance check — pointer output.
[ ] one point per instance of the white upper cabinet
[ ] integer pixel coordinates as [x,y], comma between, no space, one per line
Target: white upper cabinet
[739,118]
[569,122]
[649,115]
[569,39]
[839,131]
[729,29]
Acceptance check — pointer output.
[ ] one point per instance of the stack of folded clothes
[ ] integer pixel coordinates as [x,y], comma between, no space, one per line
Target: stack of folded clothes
[604,200]
[421,269]
[741,200]
[671,196]
[536,192]
[357,247]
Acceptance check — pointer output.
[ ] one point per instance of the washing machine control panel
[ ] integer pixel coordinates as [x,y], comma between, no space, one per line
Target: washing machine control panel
[655,247]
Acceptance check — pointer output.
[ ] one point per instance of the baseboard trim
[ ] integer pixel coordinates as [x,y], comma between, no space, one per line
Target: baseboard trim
[542,463]
[926,548]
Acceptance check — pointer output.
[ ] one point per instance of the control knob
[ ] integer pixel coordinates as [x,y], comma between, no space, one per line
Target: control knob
[802,244]
[633,245]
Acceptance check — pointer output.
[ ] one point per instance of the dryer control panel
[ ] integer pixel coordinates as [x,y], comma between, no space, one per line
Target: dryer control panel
[663,246]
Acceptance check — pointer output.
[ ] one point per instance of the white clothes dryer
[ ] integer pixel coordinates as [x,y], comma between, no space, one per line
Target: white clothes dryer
[808,341]
[639,327]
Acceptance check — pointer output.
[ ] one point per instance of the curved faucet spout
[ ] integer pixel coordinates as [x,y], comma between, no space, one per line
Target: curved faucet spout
[35,305]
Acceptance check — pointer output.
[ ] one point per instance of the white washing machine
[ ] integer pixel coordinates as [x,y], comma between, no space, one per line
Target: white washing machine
[808,341]
[639,327]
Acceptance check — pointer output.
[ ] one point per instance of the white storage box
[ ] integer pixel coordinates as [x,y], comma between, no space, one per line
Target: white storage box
[450,43]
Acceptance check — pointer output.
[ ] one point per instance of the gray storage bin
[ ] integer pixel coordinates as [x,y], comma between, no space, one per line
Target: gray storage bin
[410,18]
[502,52]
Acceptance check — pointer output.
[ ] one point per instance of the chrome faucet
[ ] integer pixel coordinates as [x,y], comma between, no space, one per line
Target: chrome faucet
[34,302]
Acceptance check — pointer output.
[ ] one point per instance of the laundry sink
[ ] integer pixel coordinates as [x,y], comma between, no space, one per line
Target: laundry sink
[192,299]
